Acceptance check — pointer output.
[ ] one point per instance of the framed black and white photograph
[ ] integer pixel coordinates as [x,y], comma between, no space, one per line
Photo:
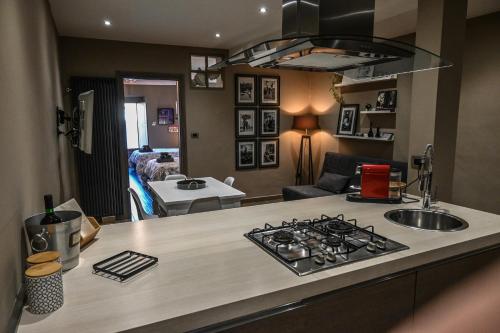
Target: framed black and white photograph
[246,89]
[348,119]
[246,154]
[387,100]
[270,90]
[269,122]
[269,153]
[246,122]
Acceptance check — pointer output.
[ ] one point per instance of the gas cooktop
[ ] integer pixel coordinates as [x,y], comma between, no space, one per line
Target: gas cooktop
[314,245]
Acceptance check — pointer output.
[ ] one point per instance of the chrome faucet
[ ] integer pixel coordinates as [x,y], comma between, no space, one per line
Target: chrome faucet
[424,164]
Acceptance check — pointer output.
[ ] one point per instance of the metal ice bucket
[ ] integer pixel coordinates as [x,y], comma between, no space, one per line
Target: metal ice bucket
[62,237]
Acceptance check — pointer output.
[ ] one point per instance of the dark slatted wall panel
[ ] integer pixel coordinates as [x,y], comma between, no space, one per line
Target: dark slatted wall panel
[99,173]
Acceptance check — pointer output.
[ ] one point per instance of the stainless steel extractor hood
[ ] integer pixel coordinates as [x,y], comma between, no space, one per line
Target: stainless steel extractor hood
[335,36]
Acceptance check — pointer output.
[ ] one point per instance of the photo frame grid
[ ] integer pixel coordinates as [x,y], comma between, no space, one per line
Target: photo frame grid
[257,121]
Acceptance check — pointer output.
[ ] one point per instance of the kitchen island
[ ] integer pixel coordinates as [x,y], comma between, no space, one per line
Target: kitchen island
[209,273]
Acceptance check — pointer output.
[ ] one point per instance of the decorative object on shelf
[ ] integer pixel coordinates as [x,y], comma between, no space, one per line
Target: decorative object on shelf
[368,107]
[270,90]
[269,153]
[166,116]
[269,122]
[246,122]
[246,154]
[377,135]
[370,132]
[387,136]
[348,119]
[305,123]
[246,92]
[335,90]
[363,73]
[44,288]
[387,100]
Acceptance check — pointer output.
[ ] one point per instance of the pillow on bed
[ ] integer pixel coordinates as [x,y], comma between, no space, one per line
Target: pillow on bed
[333,182]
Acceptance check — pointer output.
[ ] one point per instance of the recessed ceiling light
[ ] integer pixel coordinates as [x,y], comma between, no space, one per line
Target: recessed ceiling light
[217,35]
[107,23]
[263,10]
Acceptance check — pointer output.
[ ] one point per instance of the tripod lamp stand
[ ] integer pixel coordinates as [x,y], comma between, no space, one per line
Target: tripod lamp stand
[307,123]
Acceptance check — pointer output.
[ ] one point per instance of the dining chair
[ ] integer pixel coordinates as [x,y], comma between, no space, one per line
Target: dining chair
[176,177]
[229,181]
[142,215]
[204,205]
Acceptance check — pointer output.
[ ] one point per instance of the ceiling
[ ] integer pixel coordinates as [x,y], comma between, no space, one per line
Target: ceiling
[195,22]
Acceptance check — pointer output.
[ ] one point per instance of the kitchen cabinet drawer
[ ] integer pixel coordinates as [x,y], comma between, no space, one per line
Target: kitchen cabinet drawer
[376,307]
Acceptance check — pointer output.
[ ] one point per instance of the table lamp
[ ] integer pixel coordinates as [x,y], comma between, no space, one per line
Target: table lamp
[307,123]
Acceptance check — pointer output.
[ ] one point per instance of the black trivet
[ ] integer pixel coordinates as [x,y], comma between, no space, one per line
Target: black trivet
[124,265]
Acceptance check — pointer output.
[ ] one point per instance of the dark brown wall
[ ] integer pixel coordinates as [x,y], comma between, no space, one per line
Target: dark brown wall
[29,91]
[157,97]
[477,160]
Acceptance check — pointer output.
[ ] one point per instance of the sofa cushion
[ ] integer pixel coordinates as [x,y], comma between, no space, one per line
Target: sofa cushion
[333,182]
[303,192]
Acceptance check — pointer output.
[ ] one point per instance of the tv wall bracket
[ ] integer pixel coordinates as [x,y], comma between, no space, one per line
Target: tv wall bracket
[74,132]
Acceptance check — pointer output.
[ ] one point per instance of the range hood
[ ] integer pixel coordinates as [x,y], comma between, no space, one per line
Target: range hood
[335,36]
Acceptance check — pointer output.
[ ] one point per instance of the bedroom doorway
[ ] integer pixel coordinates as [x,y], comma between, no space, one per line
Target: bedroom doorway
[153,133]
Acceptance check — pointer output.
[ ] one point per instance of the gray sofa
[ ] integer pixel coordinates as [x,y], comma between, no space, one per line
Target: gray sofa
[343,165]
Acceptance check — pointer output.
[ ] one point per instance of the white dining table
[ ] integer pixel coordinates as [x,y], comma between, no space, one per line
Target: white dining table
[174,201]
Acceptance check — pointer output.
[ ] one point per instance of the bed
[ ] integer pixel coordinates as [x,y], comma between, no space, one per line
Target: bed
[138,160]
[156,171]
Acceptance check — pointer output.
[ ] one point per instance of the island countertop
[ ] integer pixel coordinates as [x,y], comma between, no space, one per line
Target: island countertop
[209,272]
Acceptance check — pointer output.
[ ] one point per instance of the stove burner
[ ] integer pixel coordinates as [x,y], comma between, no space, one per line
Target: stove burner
[283,237]
[339,227]
[332,242]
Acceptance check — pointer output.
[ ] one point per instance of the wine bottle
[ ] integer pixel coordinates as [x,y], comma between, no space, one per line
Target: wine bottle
[50,217]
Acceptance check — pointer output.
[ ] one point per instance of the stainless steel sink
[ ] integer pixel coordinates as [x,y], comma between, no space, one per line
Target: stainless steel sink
[426,219]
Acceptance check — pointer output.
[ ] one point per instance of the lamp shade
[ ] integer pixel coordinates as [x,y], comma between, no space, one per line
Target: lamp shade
[306,122]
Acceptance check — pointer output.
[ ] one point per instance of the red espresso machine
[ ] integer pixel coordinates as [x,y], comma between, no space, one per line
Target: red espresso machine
[375,181]
[375,184]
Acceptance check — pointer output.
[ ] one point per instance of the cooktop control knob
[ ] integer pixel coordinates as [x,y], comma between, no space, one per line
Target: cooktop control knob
[371,247]
[331,257]
[380,244]
[319,259]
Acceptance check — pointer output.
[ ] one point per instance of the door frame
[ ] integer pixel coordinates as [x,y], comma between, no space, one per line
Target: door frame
[120,75]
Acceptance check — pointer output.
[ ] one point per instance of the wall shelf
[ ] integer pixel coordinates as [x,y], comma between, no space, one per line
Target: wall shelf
[362,138]
[366,82]
[376,112]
